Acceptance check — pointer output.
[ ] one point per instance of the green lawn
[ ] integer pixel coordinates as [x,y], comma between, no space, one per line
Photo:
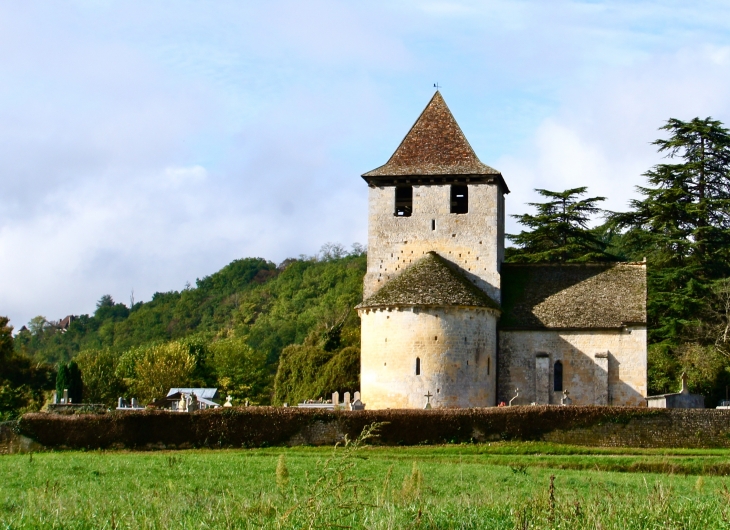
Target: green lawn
[499,485]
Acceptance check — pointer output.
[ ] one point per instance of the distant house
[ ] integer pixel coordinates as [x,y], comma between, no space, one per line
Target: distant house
[64,323]
[189,399]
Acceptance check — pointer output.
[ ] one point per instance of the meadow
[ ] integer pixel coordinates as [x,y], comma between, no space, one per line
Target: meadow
[498,485]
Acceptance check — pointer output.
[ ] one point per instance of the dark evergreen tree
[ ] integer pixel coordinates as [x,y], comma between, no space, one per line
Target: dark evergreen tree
[75,385]
[62,380]
[559,230]
[682,225]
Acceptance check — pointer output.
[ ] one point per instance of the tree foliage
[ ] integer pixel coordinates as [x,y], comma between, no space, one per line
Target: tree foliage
[162,367]
[559,231]
[22,381]
[682,224]
[327,361]
[101,381]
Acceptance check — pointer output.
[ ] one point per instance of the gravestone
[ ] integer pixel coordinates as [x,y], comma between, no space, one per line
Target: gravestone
[347,402]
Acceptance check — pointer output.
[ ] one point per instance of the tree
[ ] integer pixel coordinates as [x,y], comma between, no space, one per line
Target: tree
[240,370]
[75,383]
[38,325]
[559,230]
[318,367]
[62,379]
[69,378]
[101,380]
[682,224]
[163,367]
[6,341]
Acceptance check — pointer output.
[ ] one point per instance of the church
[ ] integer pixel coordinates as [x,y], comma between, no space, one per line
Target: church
[445,322]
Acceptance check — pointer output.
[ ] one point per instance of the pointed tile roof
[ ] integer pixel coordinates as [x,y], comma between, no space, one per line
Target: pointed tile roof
[431,281]
[435,145]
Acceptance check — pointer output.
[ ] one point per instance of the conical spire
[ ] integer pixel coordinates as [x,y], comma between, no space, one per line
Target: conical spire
[435,145]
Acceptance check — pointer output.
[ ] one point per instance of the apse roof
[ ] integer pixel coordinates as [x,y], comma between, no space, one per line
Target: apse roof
[580,296]
[431,281]
[435,145]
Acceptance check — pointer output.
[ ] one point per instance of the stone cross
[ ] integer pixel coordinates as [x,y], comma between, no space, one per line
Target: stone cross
[565,400]
[228,401]
[428,397]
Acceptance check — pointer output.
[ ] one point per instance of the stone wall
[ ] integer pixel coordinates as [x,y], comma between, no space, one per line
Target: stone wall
[474,241]
[599,367]
[456,352]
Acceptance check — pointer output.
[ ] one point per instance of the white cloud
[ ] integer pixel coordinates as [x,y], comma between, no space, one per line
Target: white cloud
[147,144]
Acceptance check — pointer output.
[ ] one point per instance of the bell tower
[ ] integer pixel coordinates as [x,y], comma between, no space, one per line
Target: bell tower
[432,288]
[434,194]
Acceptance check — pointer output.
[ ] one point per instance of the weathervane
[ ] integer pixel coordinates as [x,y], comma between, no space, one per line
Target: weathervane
[436,86]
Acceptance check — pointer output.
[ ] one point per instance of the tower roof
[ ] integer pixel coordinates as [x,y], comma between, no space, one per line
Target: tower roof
[435,145]
[431,281]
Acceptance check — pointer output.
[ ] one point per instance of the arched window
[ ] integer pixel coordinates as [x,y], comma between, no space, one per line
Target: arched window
[558,377]
[418,366]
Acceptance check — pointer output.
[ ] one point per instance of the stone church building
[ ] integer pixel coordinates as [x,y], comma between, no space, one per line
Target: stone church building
[445,320]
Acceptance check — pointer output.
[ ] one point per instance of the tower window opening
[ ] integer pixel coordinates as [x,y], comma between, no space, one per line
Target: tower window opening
[558,377]
[433,224]
[418,366]
[403,201]
[459,199]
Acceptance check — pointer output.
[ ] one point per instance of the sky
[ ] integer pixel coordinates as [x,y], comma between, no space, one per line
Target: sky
[144,144]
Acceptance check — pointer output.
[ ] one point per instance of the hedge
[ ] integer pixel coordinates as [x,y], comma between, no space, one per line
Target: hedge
[265,426]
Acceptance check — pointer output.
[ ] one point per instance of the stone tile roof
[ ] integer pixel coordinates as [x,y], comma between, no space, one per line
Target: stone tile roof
[431,281]
[435,145]
[585,296]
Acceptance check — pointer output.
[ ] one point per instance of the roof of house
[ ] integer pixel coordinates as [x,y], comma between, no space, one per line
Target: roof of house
[580,296]
[435,145]
[431,281]
[205,393]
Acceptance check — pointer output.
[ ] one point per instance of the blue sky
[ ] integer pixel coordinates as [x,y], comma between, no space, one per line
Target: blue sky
[146,144]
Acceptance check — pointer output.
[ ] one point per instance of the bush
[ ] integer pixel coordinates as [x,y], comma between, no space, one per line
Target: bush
[263,426]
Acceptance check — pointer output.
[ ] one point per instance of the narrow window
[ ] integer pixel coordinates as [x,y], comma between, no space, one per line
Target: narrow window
[558,377]
[418,366]
[459,199]
[403,201]
[433,224]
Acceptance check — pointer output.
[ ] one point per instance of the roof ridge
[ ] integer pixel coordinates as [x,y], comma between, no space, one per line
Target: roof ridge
[584,264]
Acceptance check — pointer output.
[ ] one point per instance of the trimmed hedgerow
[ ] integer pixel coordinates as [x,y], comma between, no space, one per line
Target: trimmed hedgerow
[263,426]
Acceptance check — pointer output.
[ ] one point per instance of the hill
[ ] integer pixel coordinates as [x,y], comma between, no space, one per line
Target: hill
[229,331]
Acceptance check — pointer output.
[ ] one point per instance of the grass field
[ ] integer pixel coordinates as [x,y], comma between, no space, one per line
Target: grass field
[499,485]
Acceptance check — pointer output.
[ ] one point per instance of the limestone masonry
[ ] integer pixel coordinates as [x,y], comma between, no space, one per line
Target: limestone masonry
[446,324]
